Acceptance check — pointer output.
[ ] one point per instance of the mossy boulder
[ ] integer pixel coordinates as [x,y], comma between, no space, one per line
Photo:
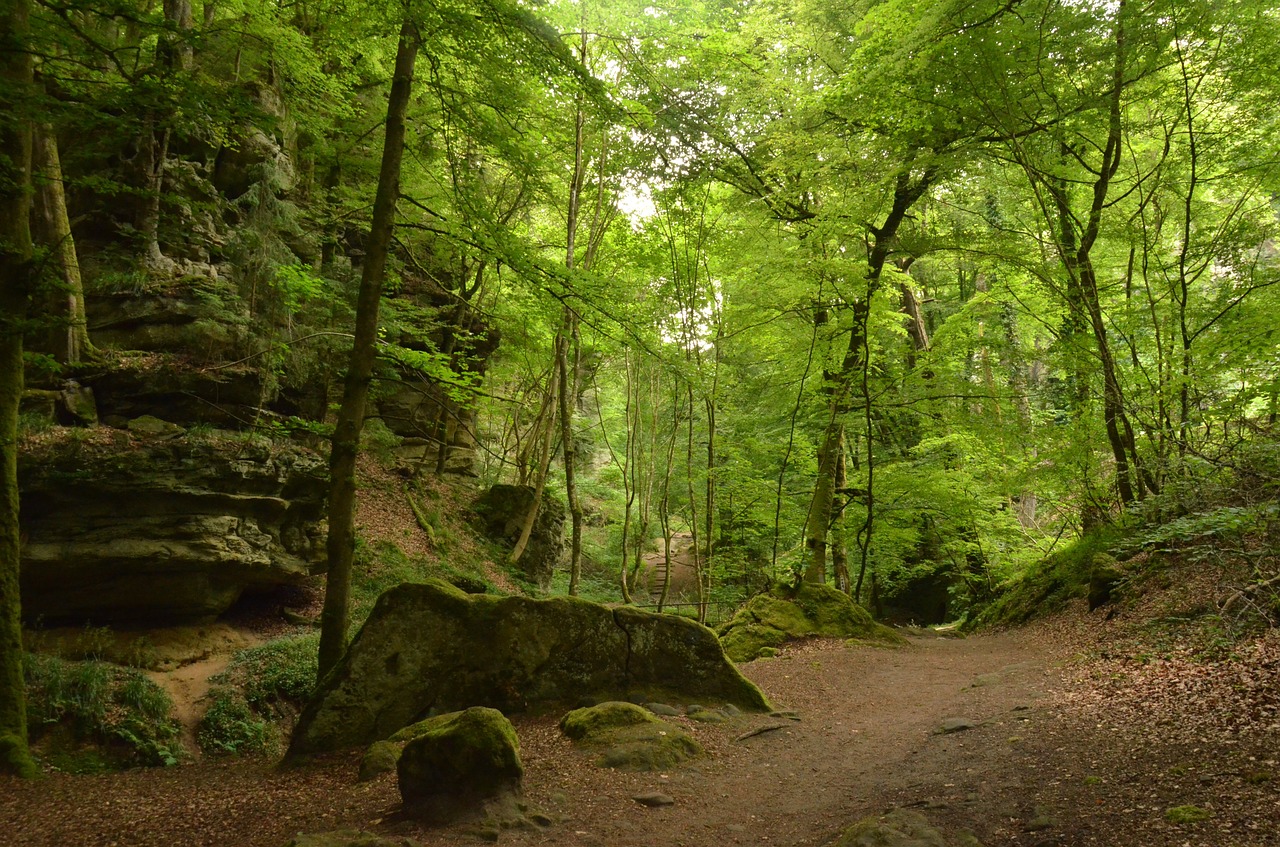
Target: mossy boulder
[901,828]
[457,761]
[430,648]
[629,737]
[1104,577]
[347,838]
[769,620]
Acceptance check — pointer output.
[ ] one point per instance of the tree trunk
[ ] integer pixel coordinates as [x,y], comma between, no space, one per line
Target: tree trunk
[16,83]
[346,436]
[839,553]
[52,230]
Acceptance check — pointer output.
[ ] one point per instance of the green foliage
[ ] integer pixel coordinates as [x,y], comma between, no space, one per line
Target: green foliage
[97,703]
[1048,584]
[231,727]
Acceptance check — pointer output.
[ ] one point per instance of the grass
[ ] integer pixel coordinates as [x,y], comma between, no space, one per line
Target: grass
[75,706]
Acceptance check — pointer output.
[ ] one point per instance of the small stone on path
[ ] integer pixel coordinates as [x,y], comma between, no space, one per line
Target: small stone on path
[950,725]
[653,799]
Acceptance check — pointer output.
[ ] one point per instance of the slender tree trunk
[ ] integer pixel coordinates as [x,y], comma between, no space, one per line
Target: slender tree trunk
[52,230]
[346,436]
[839,553]
[543,470]
[16,273]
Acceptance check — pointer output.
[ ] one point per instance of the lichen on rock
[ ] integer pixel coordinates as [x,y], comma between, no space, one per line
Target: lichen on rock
[771,619]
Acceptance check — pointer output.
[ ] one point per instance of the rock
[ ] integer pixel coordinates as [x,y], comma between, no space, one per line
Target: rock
[381,757]
[629,737]
[502,510]
[595,722]
[151,425]
[171,390]
[950,725]
[187,315]
[77,404]
[768,620]
[654,799]
[663,710]
[457,761]
[1103,579]
[708,715]
[347,838]
[40,406]
[900,828]
[432,647]
[136,529]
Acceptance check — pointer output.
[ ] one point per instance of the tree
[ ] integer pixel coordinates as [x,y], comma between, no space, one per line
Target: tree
[16,282]
[346,435]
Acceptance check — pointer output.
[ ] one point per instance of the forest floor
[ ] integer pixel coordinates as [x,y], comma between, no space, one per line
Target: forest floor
[1069,746]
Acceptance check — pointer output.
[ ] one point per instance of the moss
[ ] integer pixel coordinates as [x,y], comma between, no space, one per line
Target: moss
[381,757]
[593,721]
[629,737]
[15,758]
[1049,584]
[770,620]
[1187,814]
[472,753]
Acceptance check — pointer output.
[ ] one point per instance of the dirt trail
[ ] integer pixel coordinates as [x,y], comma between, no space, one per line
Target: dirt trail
[869,731]
[187,687]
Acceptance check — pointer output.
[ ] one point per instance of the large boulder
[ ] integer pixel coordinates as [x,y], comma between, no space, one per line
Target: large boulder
[502,510]
[457,761]
[431,648]
[771,619]
[130,528]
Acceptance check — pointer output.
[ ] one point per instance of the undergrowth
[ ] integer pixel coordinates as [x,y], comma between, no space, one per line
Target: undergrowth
[91,716]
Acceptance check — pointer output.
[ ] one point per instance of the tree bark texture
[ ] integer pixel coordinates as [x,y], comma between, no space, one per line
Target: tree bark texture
[346,436]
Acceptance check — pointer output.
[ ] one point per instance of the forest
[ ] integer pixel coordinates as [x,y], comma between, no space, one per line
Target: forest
[921,301]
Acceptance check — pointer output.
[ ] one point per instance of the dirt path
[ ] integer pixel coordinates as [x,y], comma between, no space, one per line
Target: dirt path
[187,687]
[1033,770]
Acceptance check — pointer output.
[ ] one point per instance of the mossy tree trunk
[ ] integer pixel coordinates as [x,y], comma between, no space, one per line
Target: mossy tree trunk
[52,231]
[16,84]
[346,436]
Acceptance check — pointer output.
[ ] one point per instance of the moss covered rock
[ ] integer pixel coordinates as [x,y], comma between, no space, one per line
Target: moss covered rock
[901,828]
[771,619]
[629,737]
[458,760]
[431,648]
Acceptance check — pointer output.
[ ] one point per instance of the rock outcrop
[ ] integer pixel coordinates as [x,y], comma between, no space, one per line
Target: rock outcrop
[127,528]
[430,648]
[502,511]
[771,619]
